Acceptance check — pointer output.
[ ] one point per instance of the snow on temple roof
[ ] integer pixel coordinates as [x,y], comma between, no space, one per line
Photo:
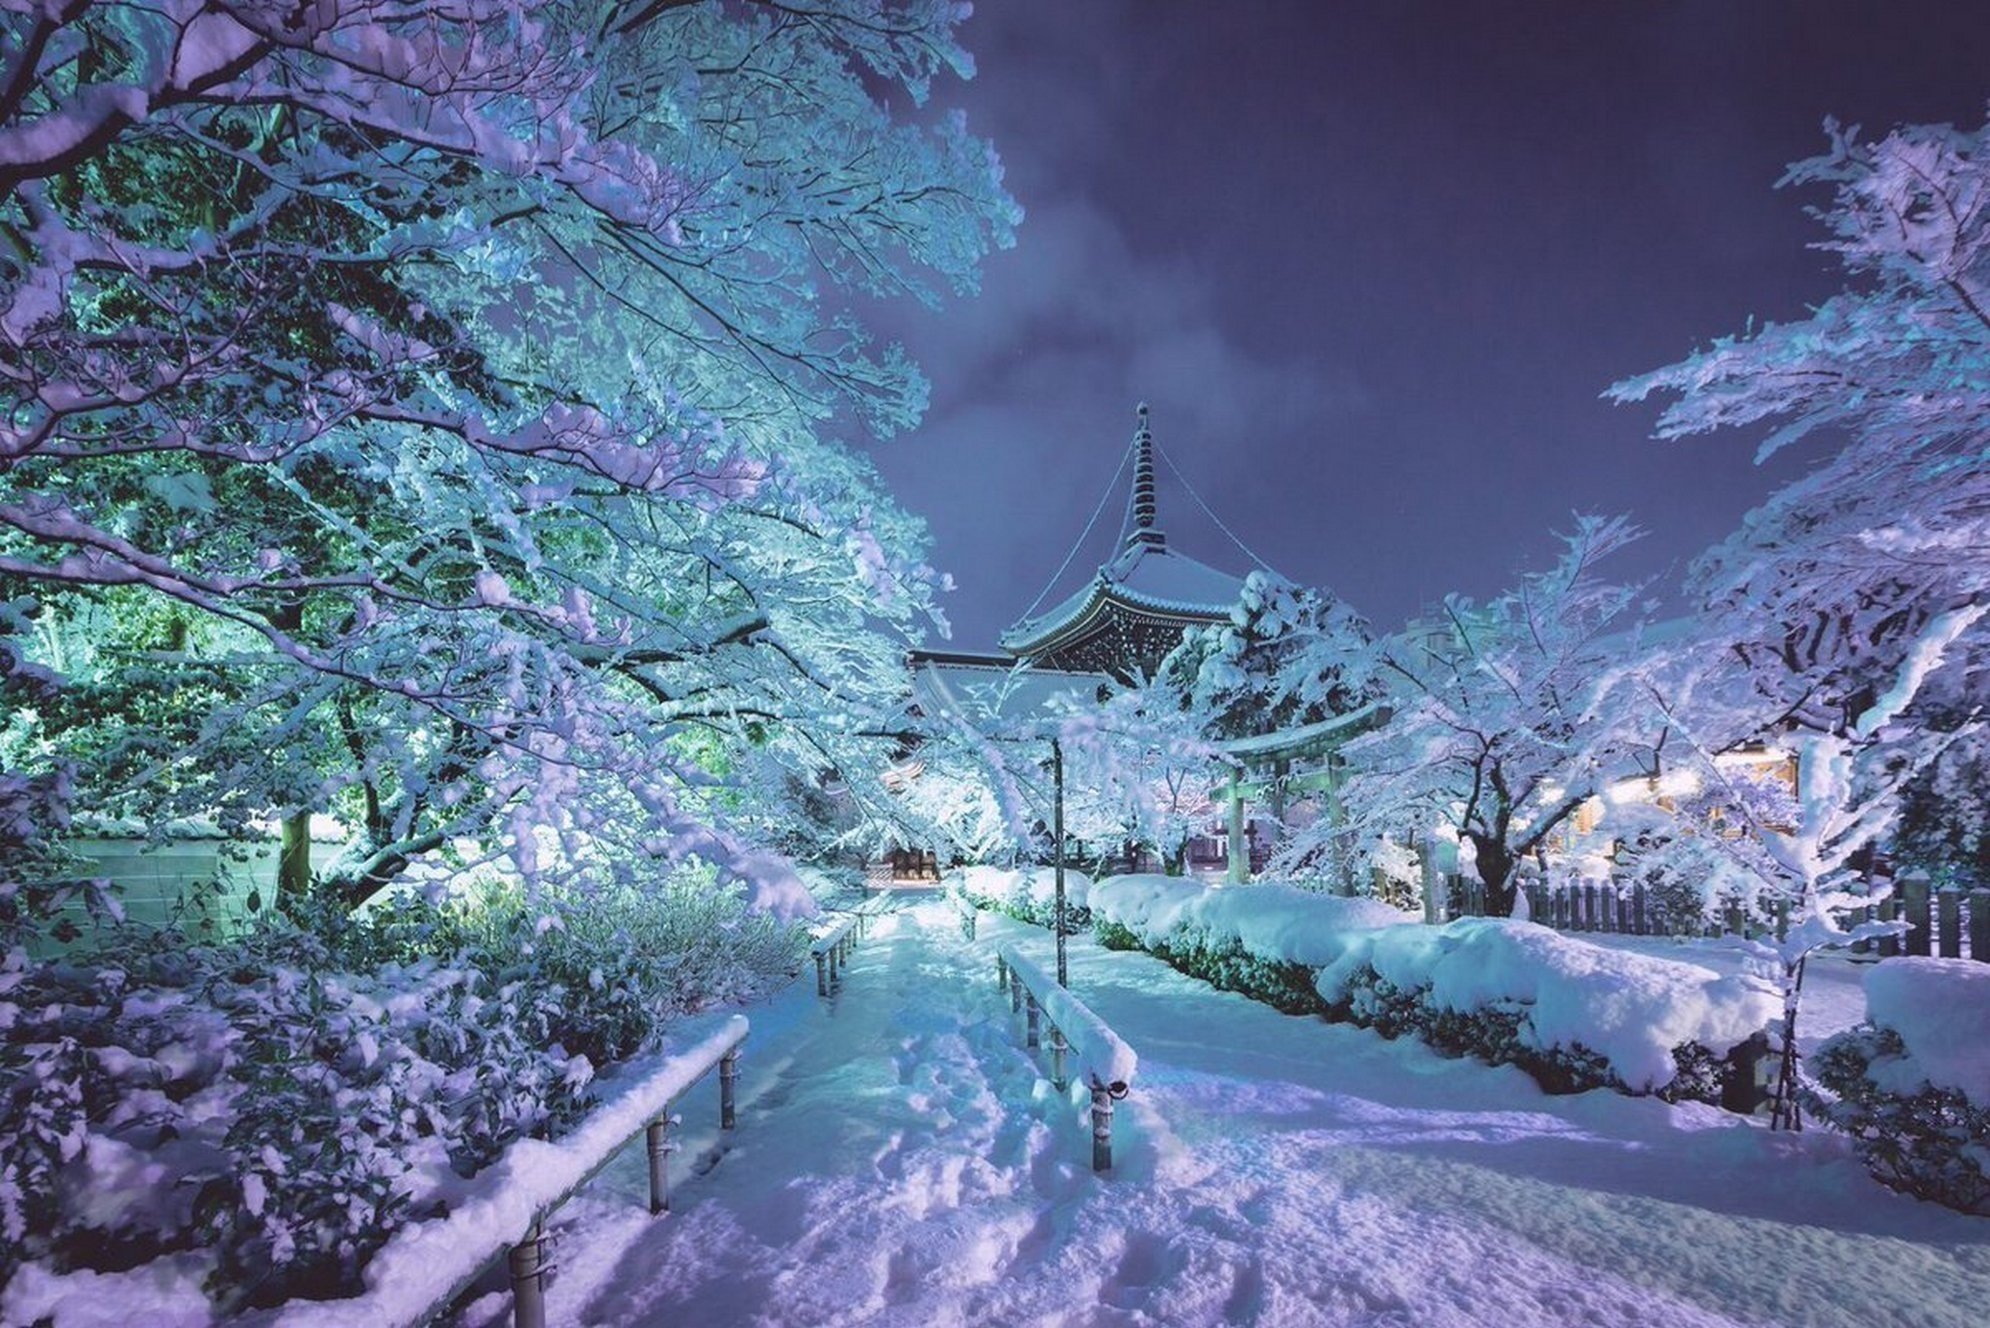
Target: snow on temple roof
[1144,574]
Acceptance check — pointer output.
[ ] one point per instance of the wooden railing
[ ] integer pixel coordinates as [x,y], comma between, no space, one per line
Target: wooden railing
[830,950]
[1104,1062]
[426,1266]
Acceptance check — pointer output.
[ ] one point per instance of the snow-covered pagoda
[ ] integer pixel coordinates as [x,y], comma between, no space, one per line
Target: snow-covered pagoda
[1124,619]
[1132,612]
[1117,627]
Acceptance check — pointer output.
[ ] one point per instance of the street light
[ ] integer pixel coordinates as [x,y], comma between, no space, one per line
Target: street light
[1057,832]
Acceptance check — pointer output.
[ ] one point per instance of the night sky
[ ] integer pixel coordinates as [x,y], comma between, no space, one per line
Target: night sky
[1372,264]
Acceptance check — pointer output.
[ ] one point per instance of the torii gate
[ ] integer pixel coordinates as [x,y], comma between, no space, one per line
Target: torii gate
[1261,768]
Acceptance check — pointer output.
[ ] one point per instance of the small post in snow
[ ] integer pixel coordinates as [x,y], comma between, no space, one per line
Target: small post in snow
[1057,1047]
[527,1262]
[1032,1014]
[821,973]
[656,1142]
[1101,1127]
[728,1077]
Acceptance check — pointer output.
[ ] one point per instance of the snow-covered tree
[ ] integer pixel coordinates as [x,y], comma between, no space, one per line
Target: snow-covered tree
[1280,662]
[1802,845]
[1496,728]
[1828,584]
[1845,619]
[982,779]
[451,385]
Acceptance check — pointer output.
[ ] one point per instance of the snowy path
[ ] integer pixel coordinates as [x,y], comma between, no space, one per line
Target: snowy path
[899,1162]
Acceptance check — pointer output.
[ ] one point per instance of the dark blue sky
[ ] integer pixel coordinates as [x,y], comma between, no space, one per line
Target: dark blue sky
[1372,265]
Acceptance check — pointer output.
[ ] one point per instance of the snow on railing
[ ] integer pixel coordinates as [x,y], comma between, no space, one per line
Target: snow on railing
[831,949]
[1105,1062]
[422,1270]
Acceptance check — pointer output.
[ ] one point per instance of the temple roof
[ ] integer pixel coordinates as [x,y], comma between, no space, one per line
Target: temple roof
[1144,575]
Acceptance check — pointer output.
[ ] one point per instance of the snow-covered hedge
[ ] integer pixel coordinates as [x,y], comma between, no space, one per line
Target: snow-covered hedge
[1912,1084]
[1263,940]
[1640,1020]
[1573,1014]
[1028,894]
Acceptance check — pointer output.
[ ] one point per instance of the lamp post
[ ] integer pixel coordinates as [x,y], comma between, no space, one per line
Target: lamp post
[1057,833]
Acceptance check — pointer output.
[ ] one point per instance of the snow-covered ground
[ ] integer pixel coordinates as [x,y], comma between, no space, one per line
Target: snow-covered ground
[899,1161]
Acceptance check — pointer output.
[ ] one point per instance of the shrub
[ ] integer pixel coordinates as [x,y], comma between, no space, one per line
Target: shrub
[1225,964]
[1496,1034]
[1927,1141]
[287,1099]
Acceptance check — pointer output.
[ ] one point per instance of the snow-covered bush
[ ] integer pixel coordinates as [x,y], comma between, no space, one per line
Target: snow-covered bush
[1028,894]
[1633,1013]
[286,1100]
[1912,1084]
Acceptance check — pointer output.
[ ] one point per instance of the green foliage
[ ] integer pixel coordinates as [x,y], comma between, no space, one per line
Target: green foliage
[1493,1035]
[1929,1143]
[1113,936]
[294,1096]
[1227,966]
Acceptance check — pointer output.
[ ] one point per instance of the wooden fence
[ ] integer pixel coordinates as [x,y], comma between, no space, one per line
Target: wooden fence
[1950,922]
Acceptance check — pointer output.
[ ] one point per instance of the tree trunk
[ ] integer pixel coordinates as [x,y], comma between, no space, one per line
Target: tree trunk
[293,859]
[1785,1111]
[1495,864]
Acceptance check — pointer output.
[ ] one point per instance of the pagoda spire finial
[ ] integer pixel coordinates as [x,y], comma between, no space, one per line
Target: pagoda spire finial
[1141,508]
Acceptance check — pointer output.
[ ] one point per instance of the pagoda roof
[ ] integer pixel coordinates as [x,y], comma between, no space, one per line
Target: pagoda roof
[1145,578]
[1149,577]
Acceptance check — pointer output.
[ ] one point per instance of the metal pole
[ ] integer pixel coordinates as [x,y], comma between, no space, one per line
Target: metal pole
[821,973]
[528,1278]
[1057,768]
[728,1077]
[657,1140]
[1057,1046]
[1031,1015]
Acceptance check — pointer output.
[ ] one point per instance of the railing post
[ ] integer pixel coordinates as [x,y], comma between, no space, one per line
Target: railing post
[821,974]
[1031,1040]
[1001,973]
[1015,991]
[656,1140]
[527,1261]
[1101,1127]
[835,976]
[728,1078]
[1057,1046]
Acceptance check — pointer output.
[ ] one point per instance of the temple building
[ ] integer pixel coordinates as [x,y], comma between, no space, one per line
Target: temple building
[1115,628]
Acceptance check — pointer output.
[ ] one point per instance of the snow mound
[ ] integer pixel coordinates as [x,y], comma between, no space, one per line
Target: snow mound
[1031,890]
[1941,1010]
[1631,1009]
[1270,920]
